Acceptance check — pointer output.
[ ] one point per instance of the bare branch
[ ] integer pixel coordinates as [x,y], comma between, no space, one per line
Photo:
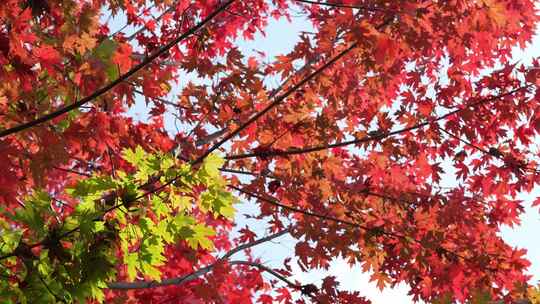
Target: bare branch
[297,210]
[255,243]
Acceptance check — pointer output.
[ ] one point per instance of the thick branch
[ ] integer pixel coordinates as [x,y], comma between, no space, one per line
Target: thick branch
[202,271]
[161,52]
[369,138]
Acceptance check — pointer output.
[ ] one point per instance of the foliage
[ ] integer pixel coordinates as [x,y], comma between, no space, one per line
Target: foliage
[115,223]
[351,154]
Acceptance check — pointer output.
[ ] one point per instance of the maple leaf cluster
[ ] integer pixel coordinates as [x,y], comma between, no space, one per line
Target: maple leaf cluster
[378,108]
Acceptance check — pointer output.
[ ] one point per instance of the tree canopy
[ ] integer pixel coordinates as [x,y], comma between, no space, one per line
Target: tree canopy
[377,107]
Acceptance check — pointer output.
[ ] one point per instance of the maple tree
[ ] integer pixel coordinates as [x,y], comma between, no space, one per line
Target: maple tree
[347,155]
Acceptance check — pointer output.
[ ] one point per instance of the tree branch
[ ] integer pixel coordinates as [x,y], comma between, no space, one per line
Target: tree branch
[269,270]
[202,271]
[297,210]
[228,170]
[281,98]
[162,100]
[343,5]
[493,152]
[72,171]
[271,95]
[276,102]
[162,51]
[376,230]
[369,138]
[255,243]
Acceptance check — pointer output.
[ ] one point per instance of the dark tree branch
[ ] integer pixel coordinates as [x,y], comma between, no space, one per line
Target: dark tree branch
[343,5]
[466,142]
[376,230]
[369,138]
[211,137]
[280,99]
[297,210]
[56,297]
[161,52]
[247,173]
[269,270]
[493,152]
[72,171]
[271,95]
[162,100]
[276,102]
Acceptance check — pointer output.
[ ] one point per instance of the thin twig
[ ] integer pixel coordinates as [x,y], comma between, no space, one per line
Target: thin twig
[343,5]
[228,170]
[493,152]
[377,229]
[72,171]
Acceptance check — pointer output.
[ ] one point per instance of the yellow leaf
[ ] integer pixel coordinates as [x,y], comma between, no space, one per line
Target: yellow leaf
[79,44]
[496,12]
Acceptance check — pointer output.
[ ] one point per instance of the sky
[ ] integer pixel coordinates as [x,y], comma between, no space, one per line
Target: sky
[280,38]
